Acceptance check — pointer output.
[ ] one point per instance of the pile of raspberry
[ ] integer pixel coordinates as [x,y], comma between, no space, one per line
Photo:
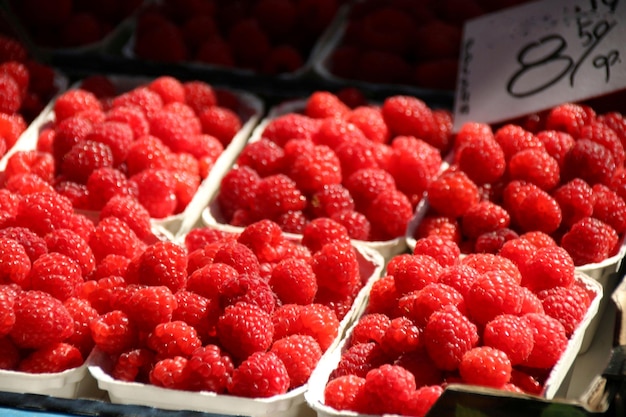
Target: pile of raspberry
[26,86]
[264,36]
[154,143]
[560,172]
[365,166]
[71,23]
[406,42]
[499,321]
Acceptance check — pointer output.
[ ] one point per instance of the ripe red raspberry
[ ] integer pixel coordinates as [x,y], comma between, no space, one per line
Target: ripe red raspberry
[388,387]
[244,329]
[510,334]
[56,274]
[358,155]
[84,158]
[407,115]
[71,244]
[250,288]
[445,227]
[31,161]
[68,133]
[346,392]
[142,97]
[199,312]
[199,95]
[208,279]
[459,276]
[239,256]
[300,355]
[260,375]
[15,265]
[163,263]
[276,195]
[492,294]
[369,119]
[401,336]
[600,133]
[131,212]
[609,207]
[53,358]
[356,223]
[210,369]
[169,88]
[566,304]
[569,117]
[131,116]
[40,320]
[514,138]
[589,241]
[486,366]
[294,281]
[156,191]
[311,172]
[337,268]
[535,166]
[445,251]
[323,104]
[265,239]
[452,193]
[433,297]
[146,152]
[289,126]
[174,131]
[113,332]
[414,164]
[518,251]
[170,373]
[492,242]
[315,320]
[422,400]
[590,161]
[550,341]
[82,312]
[11,127]
[370,327]
[538,211]
[74,101]
[23,184]
[359,359]
[484,217]
[576,199]
[117,135]
[530,302]
[487,262]
[556,143]
[263,156]
[149,306]
[389,214]
[174,338]
[114,236]
[549,267]
[43,212]
[472,129]
[366,184]
[321,231]
[237,190]
[34,245]
[133,365]
[335,132]
[482,159]
[448,335]
[383,296]
[413,272]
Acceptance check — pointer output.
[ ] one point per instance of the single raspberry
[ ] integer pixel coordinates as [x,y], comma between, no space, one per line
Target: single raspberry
[530,302]
[359,155]
[170,373]
[370,327]
[289,126]
[239,256]
[488,262]
[459,276]
[68,133]
[146,152]
[330,200]
[518,251]
[589,241]
[294,281]
[482,159]
[57,274]
[260,375]
[335,132]
[250,288]
[263,156]
[420,305]
[117,135]
[366,184]
[142,97]
[442,226]
[208,279]
[156,191]
[492,294]
[322,104]
[383,296]
[422,400]
[210,369]
[550,341]
[133,117]
[448,335]
[445,251]
[514,138]
[53,358]
[381,382]
[549,267]
[401,336]
[452,193]
[538,211]
[322,231]
[569,118]
[514,193]
[484,217]
[510,334]
[566,304]
[11,127]
[40,320]
[535,166]
[113,332]
[600,133]
[356,223]
[556,143]
[174,131]
[169,88]
[15,265]
[359,359]
[300,355]
[197,311]
[311,172]
[389,214]
[370,120]
[32,161]
[73,101]
[10,99]
[576,200]
[102,293]
[472,129]
[133,365]
[71,244]
[237,190]
[315,320]
[346,392]
[609,207]
[486,366]
[131,212]
[336,267]
[84,158]
[413,272]
[199,95]
[492,242]
[33,244]
[149,306]
[163,263]
[590,161]
[276,195]
[175,338]
[407,115]
[113,236]
[23,184]
[43,212]
[244,329]
[82,312]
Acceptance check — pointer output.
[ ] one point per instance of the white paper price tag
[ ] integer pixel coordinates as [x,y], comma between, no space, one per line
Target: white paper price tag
[535,56]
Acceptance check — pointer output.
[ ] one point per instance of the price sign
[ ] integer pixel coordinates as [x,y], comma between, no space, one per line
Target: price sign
[535,56]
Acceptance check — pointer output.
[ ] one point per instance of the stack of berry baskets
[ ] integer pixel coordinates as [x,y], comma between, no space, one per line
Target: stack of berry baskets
[436,318]
[260,312]
[162,142]
[335,156]
[558,174]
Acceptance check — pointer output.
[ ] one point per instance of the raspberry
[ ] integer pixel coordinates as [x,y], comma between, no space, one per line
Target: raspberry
[311,172]
[492,242]
[346,392]
[113,236]
[199,95]
[323,104]
[433,225]
[294,281]
[131,212]
[117,135]
[448,335]
[357,224]
[322,231]
[263,156]
[370,121]
[445,251]
[618,183]
[539,211]
[492,294]
[210,369]
[359,359]
[10,99]
[197,311]
[484,217]
[486,366]
[113,332]
[84,158]
[530,302]
[576,200]
[589,161]
[371,327]
[174,131]
[357,156]
[40,320]
[459,276]
[73,101]
[170,373]
[422,400]
[433,297]
[175,338]
[609,207]
[15,265]
[43,212]
[487,262]
[337,269]
[513,139]
[510,334]
[549,267]
[207,280]
[156,191]
[169,88]
[149,306]
[366,184]
[550,341]
[335,132]
[388,387]
[605,136]
[23,184]
[413,272]
[237,190]
[142,97]
[133,117]
[556,143]
[34,245]
[239,256]
[71,244]
[401,336]
[82,312]
[589,241]
[249,288]
[32,161]
[319,321]
[300,355]
[569,118]
[518,251]
[133,365]
[11,127]
[289,126]
[389,214]
[407,115]
[482,159]
[261,375]
[452,194]
[276,195]
[472,129]
[53,358]
[566,304]
[69,132]
[57,274]
[163,263]
[383,296]
[535,166]
[244,329]
[146,152]
[9,202]
[413,164]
